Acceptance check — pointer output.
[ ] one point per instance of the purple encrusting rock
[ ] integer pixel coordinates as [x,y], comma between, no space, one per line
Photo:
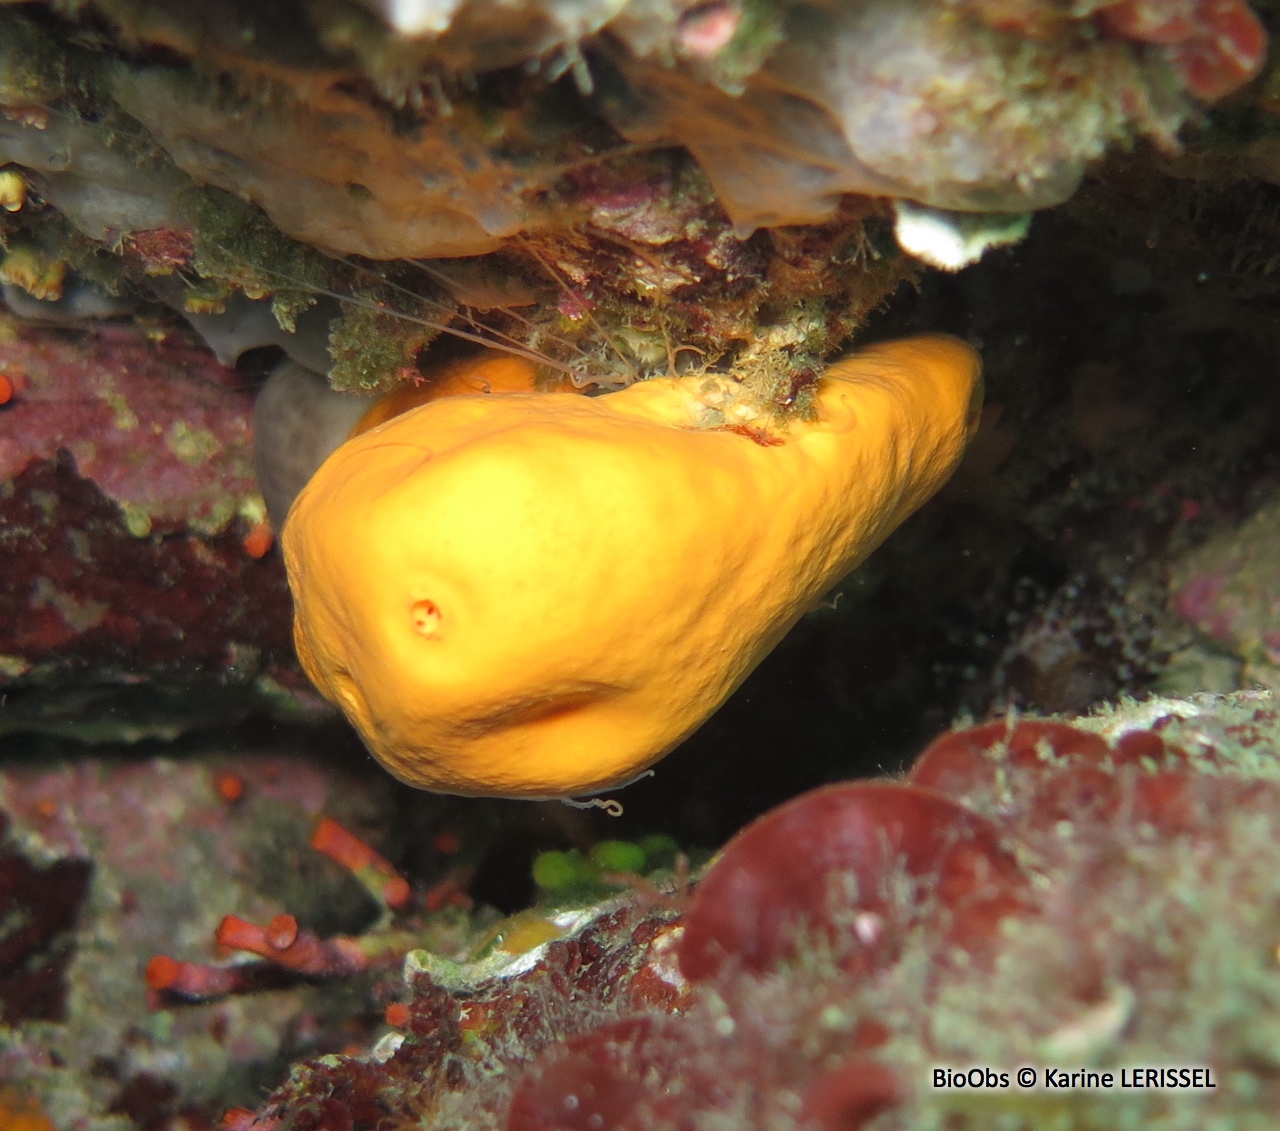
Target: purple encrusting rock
[159,428]
[126,495]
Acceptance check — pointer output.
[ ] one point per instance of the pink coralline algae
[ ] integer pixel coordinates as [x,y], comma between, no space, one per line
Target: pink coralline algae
[1033,893]
[161,430]
[127,498]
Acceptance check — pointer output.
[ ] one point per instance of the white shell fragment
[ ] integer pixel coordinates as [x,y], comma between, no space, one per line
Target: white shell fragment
[951,240]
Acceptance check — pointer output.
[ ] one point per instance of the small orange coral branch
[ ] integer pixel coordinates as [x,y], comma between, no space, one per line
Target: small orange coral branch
[289,951]
[283,943]
[20,1112]
[373,871]
[242,1119]
[194,981]
[171,981]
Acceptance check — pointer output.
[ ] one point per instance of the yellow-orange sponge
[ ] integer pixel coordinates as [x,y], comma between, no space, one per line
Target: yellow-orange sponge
[539,595]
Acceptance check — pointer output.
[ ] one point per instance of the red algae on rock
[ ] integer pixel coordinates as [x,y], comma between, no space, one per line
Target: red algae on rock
[43,902]
[860,843]
[622,1074]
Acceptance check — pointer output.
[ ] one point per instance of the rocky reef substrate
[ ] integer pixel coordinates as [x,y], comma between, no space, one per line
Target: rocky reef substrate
[191,194]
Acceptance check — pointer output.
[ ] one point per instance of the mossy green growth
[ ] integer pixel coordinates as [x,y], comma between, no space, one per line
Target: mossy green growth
[370,346]
[237,244]
[91,261]
[761,28]
[383,325]
[46,237]
[618,856]
[564,872]
[33,68]
[569,876]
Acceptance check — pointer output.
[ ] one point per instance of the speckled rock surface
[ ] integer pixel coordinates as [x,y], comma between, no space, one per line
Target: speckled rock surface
[126,495]
[162,432]
[1096,896]
[109,860]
